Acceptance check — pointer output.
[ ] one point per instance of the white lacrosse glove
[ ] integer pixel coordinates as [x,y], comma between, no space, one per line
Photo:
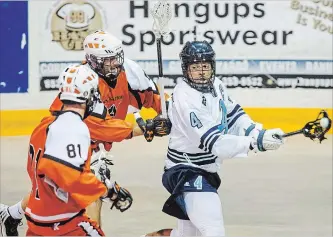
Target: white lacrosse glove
[99,164]
[264,140]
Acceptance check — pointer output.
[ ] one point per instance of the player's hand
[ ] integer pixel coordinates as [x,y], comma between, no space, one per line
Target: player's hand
[100,169]
[120,197]
[149,130]
[270,139]
[162,126]
[96,145]
[100,162]
[146,127]
[153,127]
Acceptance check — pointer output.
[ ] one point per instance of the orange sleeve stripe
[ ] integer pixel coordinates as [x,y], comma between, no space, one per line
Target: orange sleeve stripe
[83,186]
[62,175]
[108,130]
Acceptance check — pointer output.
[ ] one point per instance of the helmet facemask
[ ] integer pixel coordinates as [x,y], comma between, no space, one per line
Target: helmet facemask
[200,75]
[198,66]
[107,68]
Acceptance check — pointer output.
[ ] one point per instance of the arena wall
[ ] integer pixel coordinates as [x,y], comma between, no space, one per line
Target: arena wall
[274,56]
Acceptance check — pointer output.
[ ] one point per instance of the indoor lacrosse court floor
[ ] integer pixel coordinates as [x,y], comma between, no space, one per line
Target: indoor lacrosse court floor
[282,193]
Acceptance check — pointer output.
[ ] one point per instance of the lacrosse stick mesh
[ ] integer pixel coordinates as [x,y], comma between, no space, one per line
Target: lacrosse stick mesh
[161,13]
[314,129]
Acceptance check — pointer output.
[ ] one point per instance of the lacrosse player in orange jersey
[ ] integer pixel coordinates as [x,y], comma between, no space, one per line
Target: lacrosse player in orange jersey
[59,164]
[122,83]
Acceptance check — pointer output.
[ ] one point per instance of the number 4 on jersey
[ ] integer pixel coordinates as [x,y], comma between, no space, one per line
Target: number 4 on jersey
[198,183]
[195,122]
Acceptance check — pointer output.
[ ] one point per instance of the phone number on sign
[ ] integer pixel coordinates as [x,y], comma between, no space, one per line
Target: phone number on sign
[243,81]
[49,84]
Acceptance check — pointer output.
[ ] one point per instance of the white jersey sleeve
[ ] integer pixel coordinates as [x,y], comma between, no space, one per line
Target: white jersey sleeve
[68,141]
[196,122]
[137,78]
[239,122]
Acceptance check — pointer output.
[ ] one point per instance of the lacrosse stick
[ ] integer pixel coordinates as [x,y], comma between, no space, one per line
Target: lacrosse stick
[315,129]
[161,13]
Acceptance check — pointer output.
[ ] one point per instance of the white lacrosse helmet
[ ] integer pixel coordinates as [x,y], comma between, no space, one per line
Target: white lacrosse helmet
[77,83]
[104,54]
[102,44]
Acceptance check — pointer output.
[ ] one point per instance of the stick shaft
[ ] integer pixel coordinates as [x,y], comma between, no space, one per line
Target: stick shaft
[159,57]
[293,133]
[160,78]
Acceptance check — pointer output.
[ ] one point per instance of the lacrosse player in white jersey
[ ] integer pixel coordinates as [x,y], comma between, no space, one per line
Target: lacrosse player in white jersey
[207,127]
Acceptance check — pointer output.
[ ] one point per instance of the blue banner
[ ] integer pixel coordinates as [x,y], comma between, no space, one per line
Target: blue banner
[14,74]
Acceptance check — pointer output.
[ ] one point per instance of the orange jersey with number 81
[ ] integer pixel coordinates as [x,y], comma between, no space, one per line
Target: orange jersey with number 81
[58,167]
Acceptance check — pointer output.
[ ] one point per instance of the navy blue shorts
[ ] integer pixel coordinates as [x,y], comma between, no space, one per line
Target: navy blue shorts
[184,178]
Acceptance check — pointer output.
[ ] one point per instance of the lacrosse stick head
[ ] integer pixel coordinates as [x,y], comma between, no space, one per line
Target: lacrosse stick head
[319,127]
[161,13]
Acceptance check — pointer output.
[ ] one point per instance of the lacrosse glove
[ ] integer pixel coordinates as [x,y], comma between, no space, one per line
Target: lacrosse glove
[270,139]
[120,197]
[154,127]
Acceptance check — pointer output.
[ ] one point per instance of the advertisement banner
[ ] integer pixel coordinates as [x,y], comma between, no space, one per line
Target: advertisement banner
[269,29]
[268,44]
[14,74]
[235,73]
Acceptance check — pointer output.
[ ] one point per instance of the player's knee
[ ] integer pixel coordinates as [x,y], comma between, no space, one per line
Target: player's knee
[205,212]
[175,233]
[212,229]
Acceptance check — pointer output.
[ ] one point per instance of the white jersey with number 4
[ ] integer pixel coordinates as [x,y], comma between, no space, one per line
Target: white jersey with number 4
[205,128]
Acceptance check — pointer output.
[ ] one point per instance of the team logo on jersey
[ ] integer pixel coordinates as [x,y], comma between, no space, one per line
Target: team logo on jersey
[204,100]
[72,20]
[112,110]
